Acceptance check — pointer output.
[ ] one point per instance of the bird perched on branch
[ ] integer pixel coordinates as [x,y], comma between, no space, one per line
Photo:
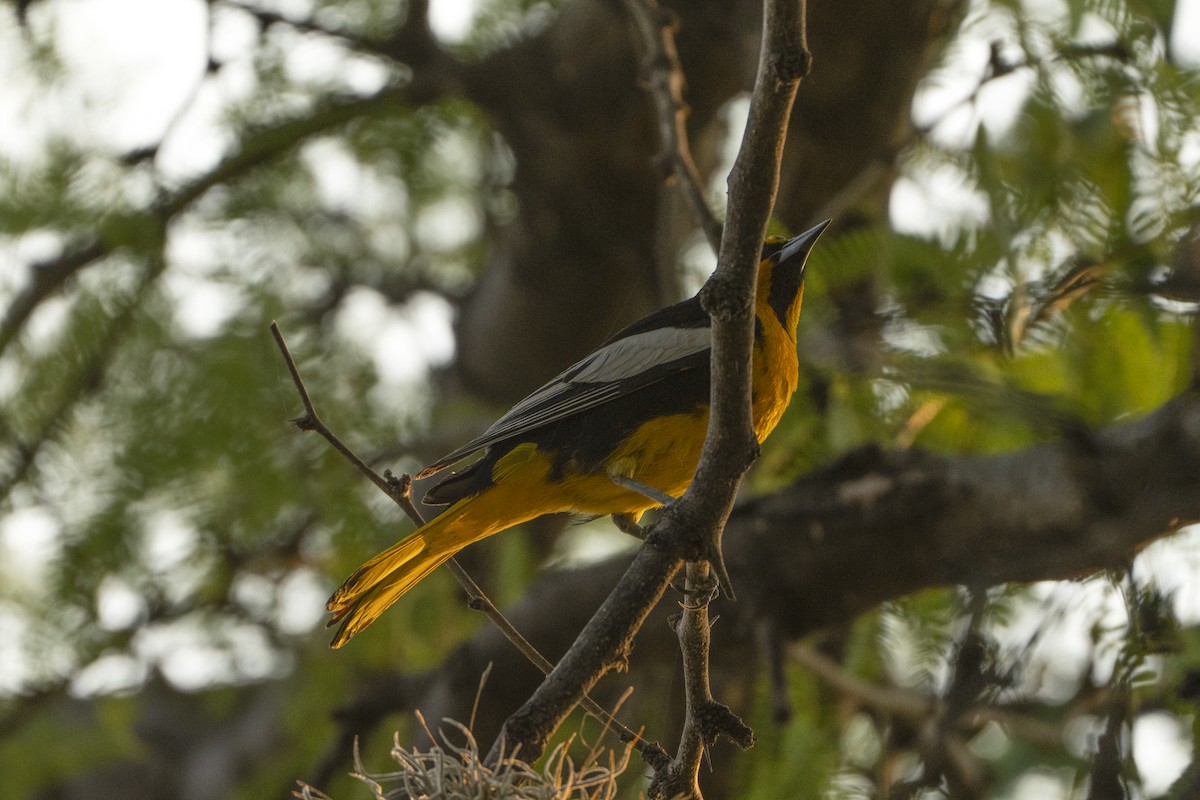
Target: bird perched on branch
[617,433]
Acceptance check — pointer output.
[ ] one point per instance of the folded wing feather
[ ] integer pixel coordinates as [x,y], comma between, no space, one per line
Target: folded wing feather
[624,365]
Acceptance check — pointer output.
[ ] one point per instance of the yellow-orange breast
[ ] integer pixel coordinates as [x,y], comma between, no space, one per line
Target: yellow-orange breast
[662,452]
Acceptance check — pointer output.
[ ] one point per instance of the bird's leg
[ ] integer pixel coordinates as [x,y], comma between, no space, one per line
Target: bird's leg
[626,482]
[627,523]
[715,559]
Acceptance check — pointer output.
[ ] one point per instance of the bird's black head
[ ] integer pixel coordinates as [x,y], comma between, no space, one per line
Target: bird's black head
[787,259]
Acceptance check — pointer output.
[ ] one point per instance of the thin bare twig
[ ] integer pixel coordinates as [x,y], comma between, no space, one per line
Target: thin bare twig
[705,719]
[399,489]
[479,601]
[656,27]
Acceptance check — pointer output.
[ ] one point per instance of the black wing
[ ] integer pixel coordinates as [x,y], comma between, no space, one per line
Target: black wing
[676,338]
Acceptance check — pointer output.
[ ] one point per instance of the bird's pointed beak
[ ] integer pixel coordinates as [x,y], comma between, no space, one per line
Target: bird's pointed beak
[799,246]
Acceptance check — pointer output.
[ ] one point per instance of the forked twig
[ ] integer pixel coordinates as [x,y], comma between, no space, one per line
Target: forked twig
[704,718]
[399,489]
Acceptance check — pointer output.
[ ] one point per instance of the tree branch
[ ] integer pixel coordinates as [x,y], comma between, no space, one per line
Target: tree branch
[704,718]
[85,382]
[656,27]
[46,278]
[689,529]
[412,44]
[728,296]
[256,149]
[604,644]
[915,707]
[400,491]
[877,525]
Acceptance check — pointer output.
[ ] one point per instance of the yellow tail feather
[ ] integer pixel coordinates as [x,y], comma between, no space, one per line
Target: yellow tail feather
[381,581]
[366,607]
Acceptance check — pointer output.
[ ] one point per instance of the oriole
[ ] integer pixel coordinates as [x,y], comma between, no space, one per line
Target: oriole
[636,408]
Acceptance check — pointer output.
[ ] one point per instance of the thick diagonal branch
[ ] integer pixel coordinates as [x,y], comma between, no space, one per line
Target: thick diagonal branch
[690,529]
[877,525]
